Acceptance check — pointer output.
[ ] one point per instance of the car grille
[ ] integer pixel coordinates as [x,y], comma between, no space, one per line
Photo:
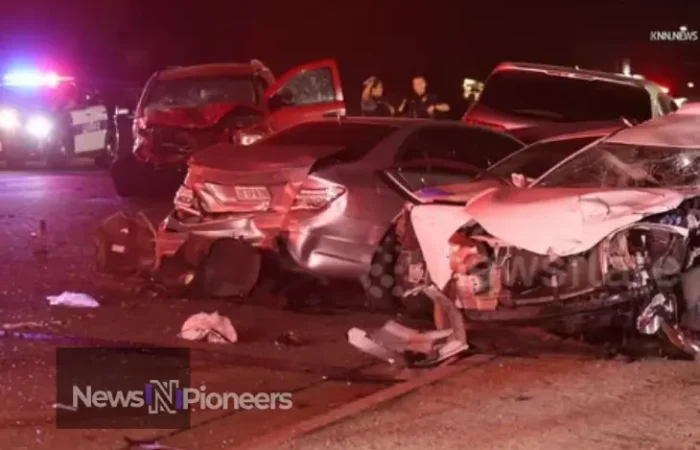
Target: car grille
[169,139]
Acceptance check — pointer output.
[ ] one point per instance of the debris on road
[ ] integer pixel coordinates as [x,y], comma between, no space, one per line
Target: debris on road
[147,445]
[41,240]
[64,407]
[213,328]
[31,323]
[73,299]
[396,343]
[126,244]
[289,339]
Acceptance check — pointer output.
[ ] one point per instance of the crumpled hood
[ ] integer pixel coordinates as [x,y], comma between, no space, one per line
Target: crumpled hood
[188,117]
[567,221]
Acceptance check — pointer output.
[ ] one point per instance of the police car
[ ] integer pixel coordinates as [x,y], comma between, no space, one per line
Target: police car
[47,117]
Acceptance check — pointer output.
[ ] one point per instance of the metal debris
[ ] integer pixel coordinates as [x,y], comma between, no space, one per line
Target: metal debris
[289,339]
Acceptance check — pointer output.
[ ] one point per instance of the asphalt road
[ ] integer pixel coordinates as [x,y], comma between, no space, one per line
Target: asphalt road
[321,370]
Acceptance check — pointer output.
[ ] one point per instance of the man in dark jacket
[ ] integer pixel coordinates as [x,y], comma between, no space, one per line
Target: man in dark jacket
[421,103]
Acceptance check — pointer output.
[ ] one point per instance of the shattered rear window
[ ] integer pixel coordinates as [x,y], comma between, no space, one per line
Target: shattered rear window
[619,165]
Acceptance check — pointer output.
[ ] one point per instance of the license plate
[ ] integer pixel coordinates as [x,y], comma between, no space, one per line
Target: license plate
[252,193]
[91,127]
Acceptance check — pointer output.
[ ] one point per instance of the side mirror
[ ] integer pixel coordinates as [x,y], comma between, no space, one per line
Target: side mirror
[281,99]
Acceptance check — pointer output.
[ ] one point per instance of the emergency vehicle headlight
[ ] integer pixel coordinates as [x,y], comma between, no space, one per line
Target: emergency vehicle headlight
[9,119]
[39,126]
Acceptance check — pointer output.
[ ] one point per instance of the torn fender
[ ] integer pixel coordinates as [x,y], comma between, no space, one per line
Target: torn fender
[434,224]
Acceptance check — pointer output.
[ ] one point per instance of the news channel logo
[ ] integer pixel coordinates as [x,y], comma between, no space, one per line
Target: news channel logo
[129,388]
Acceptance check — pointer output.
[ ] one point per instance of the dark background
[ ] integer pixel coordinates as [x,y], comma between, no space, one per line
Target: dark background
[116,40]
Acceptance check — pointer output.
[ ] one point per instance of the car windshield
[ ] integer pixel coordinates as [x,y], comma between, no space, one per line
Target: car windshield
[564,99]
[621,165]
[201,91]
[534,160]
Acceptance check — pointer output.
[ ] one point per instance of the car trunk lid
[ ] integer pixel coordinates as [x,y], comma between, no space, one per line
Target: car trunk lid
[229,179]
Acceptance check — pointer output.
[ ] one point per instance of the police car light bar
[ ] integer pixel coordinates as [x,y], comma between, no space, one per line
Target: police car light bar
[34,79]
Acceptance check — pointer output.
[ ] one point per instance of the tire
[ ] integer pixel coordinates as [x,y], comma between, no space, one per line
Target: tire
[381,290]
[128,177]
[108,155]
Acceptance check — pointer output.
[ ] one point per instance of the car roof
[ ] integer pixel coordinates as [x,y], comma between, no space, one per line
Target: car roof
[243,69]
[604,131]
[574,71]
[678,129]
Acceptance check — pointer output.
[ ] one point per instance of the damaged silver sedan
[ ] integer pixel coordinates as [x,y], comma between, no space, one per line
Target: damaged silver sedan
[613,232]
[317,194]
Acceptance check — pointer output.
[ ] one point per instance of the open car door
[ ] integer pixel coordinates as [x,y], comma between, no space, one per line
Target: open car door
[307,92]
[90,121]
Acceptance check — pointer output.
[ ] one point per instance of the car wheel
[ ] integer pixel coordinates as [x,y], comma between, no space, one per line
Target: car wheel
[381,290]
[108,154]
[128,176]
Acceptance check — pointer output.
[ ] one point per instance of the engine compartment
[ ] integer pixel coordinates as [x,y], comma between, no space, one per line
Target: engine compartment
[490,275]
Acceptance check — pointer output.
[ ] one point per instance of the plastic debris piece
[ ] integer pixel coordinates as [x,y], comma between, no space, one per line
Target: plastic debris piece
[148,445]
[213,328]
[396,343]
[289,339]
[73,299]
[62,406]
[31,323]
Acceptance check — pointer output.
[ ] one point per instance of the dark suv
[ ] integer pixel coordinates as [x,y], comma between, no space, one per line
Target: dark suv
[522,96]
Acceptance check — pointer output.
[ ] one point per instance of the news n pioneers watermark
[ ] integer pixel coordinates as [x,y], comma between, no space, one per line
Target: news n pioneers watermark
[118,388]
[167,397]
[683,34]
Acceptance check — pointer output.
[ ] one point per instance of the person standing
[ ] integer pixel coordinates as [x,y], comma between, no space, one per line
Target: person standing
[373,102]
[421,103]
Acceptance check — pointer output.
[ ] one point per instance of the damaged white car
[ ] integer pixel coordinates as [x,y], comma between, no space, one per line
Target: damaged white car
[613,231]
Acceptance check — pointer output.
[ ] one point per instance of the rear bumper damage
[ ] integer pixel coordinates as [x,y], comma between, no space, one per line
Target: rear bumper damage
[307,249]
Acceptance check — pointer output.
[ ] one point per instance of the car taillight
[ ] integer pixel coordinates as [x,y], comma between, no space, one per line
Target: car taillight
[315,198]
[483,123]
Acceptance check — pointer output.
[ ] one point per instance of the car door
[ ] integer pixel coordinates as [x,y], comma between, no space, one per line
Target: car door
[444,159]
[307,92]
[90,122]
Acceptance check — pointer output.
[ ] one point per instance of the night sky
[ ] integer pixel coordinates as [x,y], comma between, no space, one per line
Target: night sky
[445,40]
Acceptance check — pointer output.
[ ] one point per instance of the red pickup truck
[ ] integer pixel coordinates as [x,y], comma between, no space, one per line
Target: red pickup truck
[184,109]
